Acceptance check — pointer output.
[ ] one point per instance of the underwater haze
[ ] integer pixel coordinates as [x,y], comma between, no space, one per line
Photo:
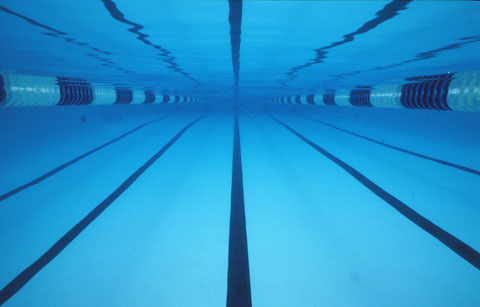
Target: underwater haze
[239,153]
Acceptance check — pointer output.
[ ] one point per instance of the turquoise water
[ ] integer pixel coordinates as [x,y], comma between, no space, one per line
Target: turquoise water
[256,203]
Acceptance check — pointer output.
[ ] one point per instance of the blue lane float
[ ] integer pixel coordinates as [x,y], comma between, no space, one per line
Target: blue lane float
[452,91]
[24,90]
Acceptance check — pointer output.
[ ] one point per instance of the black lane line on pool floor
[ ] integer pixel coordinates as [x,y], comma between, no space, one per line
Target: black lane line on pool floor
[460,167]
[24,277]
[459,247]
[238,290]
[67,164]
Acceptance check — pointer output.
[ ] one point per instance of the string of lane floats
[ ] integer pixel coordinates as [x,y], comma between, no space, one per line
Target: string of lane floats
[451,91]
[25,90]
[446,92]
[458,91]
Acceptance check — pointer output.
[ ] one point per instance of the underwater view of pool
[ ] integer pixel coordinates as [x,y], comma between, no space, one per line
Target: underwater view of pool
[239,153]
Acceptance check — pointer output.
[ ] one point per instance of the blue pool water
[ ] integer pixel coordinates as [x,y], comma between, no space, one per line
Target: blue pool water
[239,153]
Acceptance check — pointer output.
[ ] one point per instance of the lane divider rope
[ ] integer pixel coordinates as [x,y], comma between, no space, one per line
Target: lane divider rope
[25,90]
[451,91]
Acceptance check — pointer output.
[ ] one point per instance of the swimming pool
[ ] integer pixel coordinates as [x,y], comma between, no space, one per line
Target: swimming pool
[266,153]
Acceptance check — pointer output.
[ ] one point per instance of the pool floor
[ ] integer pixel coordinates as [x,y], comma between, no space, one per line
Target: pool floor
[316,235]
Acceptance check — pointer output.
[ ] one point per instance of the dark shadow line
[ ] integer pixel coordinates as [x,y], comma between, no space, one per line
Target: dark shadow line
[430,54]
[24,277]
[238,290]
[388,12]
[164,53]
[235,20]
[453,243]
[62,35]
[67,164]
[460,167]
[31,21]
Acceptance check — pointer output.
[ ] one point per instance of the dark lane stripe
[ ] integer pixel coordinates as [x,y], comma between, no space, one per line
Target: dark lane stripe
[456,245]
[67,164]
[238,291]
[460,167]
[23,278]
